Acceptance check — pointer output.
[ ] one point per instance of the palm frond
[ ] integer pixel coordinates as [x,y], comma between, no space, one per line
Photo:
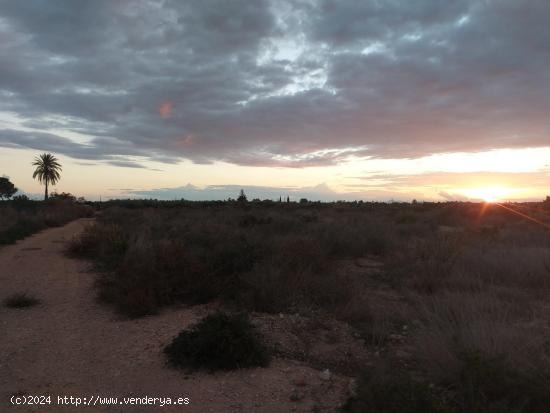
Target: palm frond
[47,169]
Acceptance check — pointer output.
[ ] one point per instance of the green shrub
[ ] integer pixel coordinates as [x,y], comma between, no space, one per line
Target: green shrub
[218,342]
[21,300]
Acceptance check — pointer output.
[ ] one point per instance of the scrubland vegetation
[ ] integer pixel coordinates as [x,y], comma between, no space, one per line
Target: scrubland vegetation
[452,299]
[22,217]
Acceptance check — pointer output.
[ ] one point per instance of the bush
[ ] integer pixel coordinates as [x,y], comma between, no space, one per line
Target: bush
[383,391]
[427,262]
[105,242]
[20,229]
[356,238]
[488,385]
[21,300]
[21,217]
[273,287]
[375,318]
[21,200]
[152,275]
[483,385]
[218,342]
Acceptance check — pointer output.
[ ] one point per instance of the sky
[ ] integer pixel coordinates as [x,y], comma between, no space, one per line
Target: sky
[373,100]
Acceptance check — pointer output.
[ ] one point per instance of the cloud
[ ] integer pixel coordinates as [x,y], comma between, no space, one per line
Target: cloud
[453,197]
[165,109]
[126,164]
[109,150]
[539,179]
[282,83]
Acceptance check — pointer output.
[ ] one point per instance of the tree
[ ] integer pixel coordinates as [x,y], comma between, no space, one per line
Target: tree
[63,196]
[21,199]
[7,188]
[47,171]
[546,203]
[242,197]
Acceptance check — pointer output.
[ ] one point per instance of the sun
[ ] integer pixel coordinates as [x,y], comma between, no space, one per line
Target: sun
[489,194]
[489,198]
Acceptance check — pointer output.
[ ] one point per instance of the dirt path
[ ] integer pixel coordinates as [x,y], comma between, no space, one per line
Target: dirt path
[70,345]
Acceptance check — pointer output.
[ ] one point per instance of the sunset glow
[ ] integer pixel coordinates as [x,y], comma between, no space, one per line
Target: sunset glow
[489,194]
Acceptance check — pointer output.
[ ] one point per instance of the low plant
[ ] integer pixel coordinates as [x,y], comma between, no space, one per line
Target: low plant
[218,342]
[21,300]
[105,241]
[383,390]
[489,385]
[20,229]
[21,217]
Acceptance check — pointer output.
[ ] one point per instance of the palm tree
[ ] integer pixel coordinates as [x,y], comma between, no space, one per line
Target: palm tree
[47,170]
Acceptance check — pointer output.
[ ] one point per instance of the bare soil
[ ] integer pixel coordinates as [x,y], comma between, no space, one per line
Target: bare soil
[71,345]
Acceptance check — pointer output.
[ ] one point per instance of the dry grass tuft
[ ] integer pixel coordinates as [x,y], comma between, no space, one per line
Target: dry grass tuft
[21,300]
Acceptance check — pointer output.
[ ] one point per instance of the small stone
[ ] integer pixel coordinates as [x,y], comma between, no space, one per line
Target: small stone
[325,375]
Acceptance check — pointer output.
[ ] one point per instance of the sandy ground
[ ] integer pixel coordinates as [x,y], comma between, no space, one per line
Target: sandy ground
[70,345]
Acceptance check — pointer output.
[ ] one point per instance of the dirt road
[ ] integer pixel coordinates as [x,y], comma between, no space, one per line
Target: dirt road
[70,345]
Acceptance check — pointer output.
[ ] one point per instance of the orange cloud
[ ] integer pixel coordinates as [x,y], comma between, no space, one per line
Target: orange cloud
[165,109]
[186,141]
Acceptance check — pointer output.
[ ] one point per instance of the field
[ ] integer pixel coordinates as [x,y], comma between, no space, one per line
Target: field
[449,301]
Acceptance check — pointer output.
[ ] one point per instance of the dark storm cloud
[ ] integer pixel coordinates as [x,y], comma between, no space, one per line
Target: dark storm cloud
[273,82]
[101,149]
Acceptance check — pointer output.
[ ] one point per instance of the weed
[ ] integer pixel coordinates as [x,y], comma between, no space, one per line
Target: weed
[21,300]
[489,385]
[381,390]
[21,218]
